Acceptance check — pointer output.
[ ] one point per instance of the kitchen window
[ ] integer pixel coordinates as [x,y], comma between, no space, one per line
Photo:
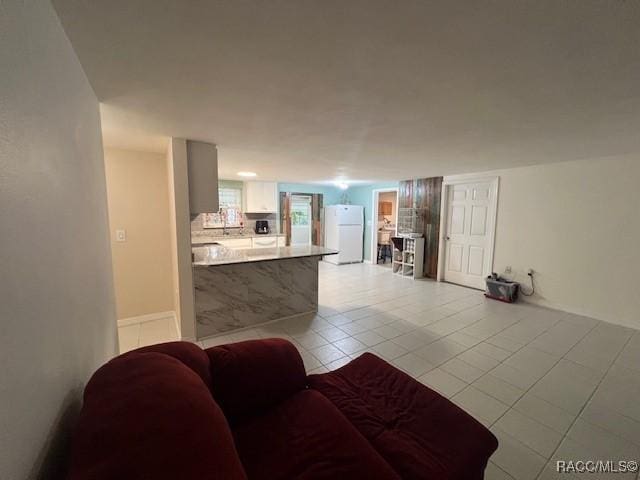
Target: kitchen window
[230,212]
[230,197]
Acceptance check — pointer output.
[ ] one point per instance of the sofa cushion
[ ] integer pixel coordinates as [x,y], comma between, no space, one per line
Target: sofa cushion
[306,437]
[420,433]
[250,377]
[147,415]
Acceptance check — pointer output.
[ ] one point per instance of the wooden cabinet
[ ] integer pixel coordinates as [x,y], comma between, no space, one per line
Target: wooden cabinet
[202,165]
[385,208]
[261,197]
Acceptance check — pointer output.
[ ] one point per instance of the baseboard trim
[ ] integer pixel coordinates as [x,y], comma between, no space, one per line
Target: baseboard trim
[149,317]
[177,324]
[539,302]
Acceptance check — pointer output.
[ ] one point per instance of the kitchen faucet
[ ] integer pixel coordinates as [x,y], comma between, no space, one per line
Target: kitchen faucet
[223,215]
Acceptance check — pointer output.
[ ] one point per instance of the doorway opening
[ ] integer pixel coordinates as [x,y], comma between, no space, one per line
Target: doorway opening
[301,220]
[383,225]
[468,225]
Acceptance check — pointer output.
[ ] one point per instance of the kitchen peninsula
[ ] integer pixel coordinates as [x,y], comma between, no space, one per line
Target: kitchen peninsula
[239,288]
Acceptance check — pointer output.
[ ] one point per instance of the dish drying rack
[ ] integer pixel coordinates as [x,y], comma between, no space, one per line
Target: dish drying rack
[411,221]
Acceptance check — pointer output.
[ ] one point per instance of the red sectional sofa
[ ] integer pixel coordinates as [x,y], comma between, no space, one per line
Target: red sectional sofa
[248,410]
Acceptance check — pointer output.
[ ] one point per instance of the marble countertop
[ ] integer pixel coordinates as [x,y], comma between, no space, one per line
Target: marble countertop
[220,255]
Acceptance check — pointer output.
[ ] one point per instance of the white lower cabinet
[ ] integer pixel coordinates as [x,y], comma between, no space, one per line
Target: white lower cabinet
[265,242]
[236,242]
[268,242]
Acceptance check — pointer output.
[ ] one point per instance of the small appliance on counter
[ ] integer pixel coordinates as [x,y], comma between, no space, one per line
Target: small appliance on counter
[262,227]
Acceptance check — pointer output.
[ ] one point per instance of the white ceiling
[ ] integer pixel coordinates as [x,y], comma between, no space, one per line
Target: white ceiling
[301,90]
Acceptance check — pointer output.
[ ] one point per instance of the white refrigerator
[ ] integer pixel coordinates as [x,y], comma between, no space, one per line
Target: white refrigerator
[343,231]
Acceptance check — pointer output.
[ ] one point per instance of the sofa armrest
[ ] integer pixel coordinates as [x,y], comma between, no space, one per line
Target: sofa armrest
[252,376]
[147,415]
[187,352]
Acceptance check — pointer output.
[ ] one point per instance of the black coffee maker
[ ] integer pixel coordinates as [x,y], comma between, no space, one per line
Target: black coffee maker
[262,226]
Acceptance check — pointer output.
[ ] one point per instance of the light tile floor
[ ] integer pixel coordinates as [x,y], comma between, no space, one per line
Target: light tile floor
[147,333]
[549,384]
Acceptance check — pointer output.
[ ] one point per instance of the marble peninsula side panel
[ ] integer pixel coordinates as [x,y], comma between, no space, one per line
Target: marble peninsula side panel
[238,295]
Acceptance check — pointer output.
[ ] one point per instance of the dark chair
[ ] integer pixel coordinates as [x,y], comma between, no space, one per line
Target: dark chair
[384,247]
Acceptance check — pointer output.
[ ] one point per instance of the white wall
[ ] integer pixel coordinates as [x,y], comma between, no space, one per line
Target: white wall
[138,194]
[180,221]
[57,312]
[577,224]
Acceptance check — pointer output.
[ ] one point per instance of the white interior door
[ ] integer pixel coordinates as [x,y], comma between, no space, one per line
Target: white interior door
[470,223]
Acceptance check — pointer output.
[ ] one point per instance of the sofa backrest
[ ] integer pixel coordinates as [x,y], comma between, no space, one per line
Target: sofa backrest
[150,415]
[248,378]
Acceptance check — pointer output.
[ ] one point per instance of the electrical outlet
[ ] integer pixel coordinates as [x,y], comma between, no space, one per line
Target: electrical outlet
[121,236]
[507,269]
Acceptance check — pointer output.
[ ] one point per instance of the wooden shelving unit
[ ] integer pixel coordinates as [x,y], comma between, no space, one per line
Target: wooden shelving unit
[408,261]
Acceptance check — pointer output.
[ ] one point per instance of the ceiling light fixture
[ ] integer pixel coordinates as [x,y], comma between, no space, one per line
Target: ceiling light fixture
[342,185]
[247,174]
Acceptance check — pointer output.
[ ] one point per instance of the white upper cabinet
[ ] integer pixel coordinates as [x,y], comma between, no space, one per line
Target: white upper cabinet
[261,197]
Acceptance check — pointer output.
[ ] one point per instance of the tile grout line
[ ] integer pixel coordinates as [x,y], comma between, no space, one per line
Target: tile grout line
[532,385]
[418,327]
[545,374]
[480,341]
[585,404]
[501,469]
[500,362]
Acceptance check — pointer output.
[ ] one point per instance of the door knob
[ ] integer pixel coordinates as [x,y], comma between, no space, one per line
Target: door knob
[447,238]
